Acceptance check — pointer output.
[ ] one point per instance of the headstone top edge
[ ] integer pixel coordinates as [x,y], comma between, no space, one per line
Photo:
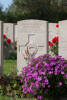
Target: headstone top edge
[31,20]
[10,23]
[62,21]
[52,23]
[1,21]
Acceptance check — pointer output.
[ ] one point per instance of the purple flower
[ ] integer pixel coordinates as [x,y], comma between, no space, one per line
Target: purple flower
[52,63]
[65,75]
[50,72]
[37,65]
[55,73]
[19,74]
[43,85]
[46,64]
[60,83]
[46,81]
[21,81]
[35,74]
[62,73]
[46,90]
[38,74]
[48,86]
[39,78]
[41,72]
[40,97]
[25,92]
[37,84]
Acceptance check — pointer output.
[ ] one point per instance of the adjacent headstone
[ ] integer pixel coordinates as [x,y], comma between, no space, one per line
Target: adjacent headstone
[32,33]
[1,47]
[53,31]
[63,38]
[9,31]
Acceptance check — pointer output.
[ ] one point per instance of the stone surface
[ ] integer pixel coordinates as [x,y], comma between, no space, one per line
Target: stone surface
[1,47]
[9,31]
[34,34]
[63,38]
[53,31]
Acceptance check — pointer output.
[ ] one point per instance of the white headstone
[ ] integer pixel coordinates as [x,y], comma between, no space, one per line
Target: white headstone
[63,38]
[9,31]
[53,31]
[33,33]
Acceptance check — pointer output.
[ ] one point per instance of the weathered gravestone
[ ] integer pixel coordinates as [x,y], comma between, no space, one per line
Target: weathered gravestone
[9,31]
[53,31]
[63,38]
[34,34]
[1,47]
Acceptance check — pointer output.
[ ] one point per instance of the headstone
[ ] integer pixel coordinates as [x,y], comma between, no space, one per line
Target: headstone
[53,31]
[9,31]
[1,47]
[34,34]
[63,38]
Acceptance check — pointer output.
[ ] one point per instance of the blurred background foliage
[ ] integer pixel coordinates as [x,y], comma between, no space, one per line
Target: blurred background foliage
[50,10]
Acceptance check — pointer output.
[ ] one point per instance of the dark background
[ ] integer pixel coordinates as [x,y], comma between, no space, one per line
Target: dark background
[50,10]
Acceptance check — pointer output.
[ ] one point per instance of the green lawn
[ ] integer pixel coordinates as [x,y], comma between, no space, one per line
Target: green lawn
[10,66]
[9,98]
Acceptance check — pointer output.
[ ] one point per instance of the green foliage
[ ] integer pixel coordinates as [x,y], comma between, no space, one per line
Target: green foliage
[10,88]
[53,45]
[10,85]
[13,55]
[54,49]
[10,98]
[51,10]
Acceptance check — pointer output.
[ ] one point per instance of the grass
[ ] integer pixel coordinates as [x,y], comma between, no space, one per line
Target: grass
[10,98]
[10,66]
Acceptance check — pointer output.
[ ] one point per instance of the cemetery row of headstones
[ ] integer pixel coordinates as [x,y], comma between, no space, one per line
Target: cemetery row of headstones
[32,39]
